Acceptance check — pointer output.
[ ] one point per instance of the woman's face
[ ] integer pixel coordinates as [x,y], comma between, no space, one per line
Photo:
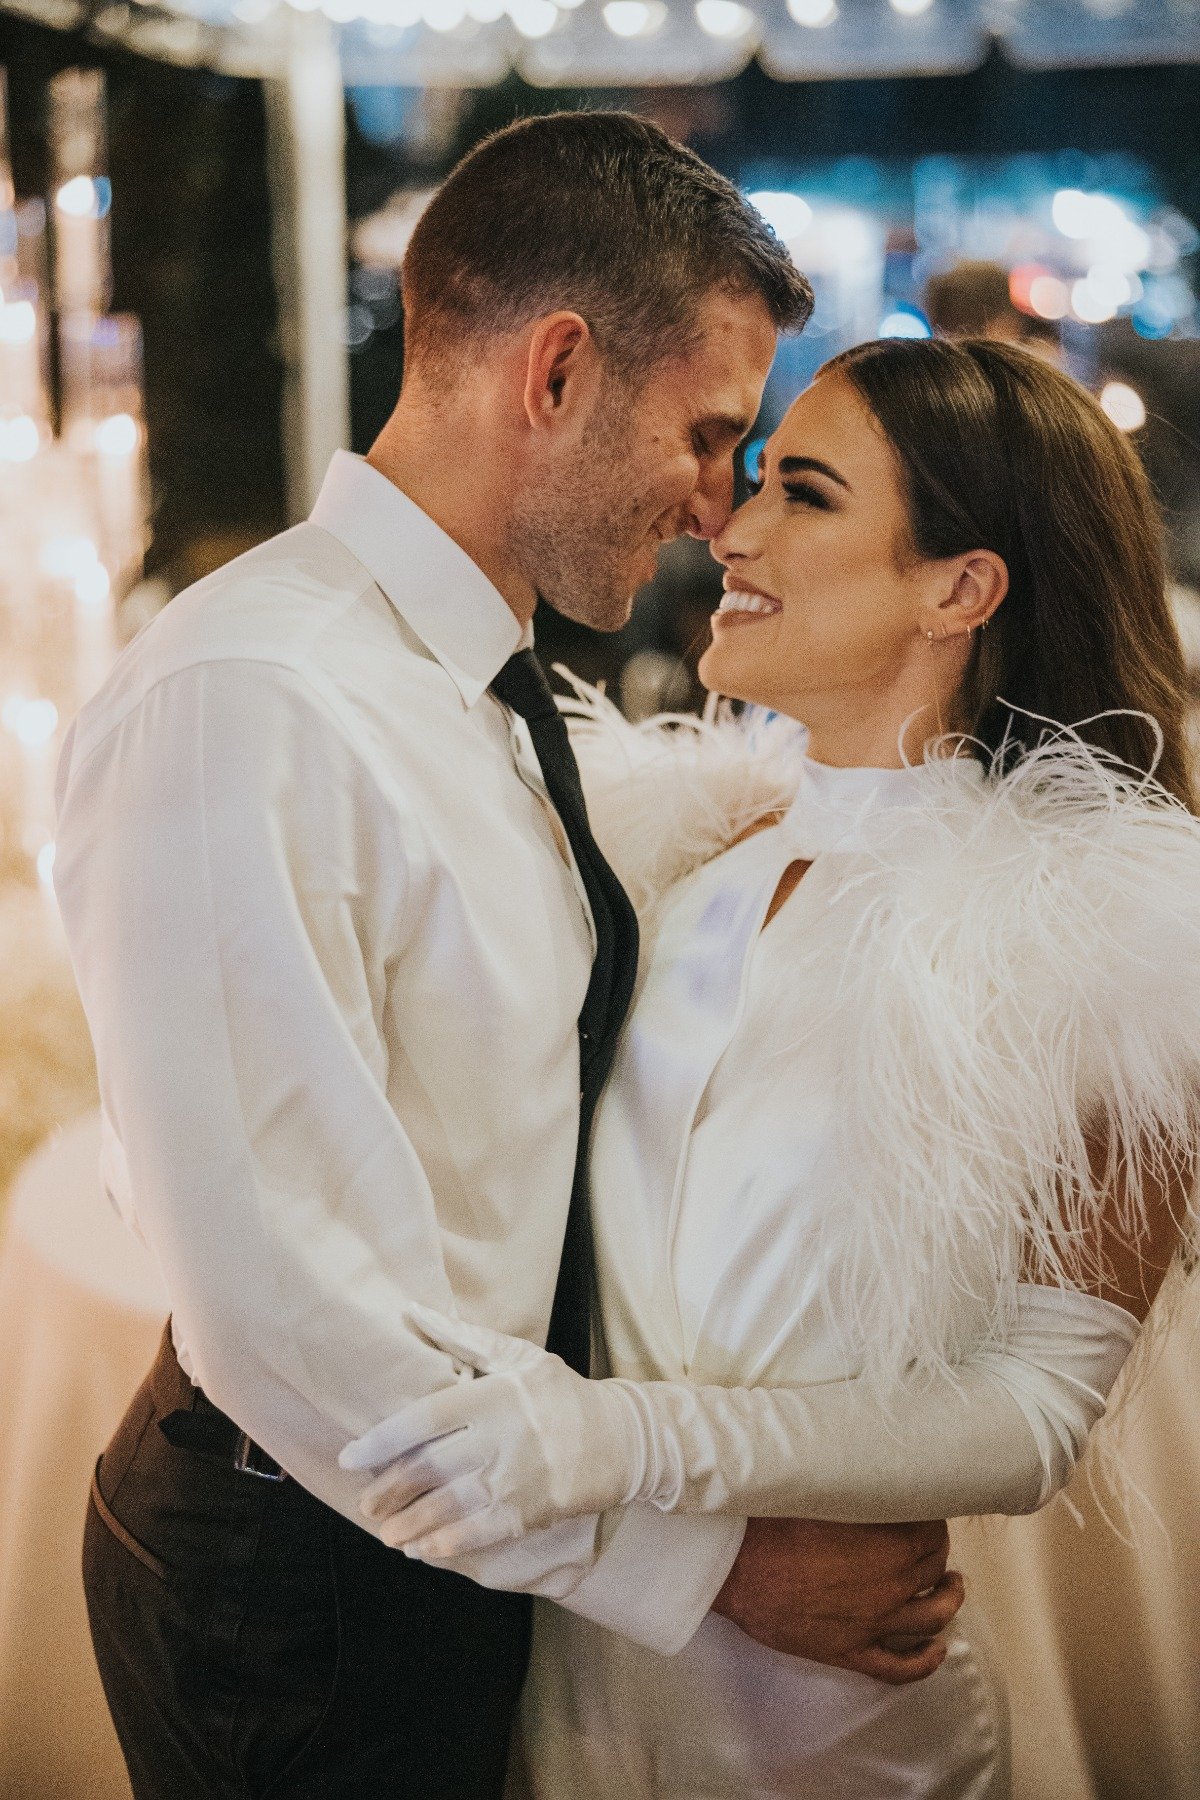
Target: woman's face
[823,594]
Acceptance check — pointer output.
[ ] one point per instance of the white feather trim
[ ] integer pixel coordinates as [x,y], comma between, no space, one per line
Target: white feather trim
[1010,966]
[670,793]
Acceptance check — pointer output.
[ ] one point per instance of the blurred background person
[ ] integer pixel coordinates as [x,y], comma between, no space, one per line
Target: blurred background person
[974,300]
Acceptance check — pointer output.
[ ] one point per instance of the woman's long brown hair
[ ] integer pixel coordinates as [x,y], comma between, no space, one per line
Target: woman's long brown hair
[999,451]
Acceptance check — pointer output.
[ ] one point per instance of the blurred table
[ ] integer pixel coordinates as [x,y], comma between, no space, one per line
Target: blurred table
[1099,1636]
[81,1312]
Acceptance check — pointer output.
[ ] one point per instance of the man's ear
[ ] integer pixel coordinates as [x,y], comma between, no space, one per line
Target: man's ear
[978,584]
[562,368]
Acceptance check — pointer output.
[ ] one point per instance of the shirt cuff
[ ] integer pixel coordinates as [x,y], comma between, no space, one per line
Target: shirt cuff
[657,1574]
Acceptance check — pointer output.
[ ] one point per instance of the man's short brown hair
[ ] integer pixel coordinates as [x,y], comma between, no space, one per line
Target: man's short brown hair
[600,213]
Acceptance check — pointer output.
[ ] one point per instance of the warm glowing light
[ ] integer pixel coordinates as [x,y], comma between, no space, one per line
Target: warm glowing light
[533,18]
[723,18]
[814,13]
[117,435]
[20,439]
[1110,286]
[486,12]
[443,15]
[1092,307]
[787,214]
[1049,297]
[32,722]
[1021,279]
[1075,212]
[45,865]
[400,14]
[845,236]
[634,18]
[910,8]
[905,322]
[67,558]
[1103,221]
[78,198]
[1124,406]
[92,585]
[18,323]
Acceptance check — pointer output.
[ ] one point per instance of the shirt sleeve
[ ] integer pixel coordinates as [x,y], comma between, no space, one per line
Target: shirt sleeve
[648,1575]
[232,885]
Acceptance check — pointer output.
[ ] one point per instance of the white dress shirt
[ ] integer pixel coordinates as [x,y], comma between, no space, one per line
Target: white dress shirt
[332,950]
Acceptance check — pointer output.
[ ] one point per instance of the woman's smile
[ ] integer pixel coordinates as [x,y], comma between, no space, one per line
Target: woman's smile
[745,605]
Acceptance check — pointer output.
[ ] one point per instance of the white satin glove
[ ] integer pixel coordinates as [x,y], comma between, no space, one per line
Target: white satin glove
[531,1442]
[523,1444]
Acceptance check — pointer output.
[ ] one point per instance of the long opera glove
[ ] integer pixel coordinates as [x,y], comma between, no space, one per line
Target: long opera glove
[523,1442]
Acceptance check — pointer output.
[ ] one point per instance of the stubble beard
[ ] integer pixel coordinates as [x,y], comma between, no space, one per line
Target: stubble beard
[573,538]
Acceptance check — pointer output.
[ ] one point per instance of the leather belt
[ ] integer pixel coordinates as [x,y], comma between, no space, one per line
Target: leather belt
[191,1421]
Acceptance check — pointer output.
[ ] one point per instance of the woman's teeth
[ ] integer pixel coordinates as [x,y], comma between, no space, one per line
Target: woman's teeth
[736,601]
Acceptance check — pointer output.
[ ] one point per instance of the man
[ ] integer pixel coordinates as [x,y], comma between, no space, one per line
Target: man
[354,969]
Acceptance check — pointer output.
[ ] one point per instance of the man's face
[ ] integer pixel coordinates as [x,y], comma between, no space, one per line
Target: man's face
[653,463]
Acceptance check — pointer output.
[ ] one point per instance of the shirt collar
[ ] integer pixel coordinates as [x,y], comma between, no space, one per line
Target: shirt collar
[460,617]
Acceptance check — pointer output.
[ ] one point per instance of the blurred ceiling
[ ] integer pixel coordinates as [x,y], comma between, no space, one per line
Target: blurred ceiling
[628,43]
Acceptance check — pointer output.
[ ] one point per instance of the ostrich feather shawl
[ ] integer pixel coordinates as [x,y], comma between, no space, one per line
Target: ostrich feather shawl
[1011,976]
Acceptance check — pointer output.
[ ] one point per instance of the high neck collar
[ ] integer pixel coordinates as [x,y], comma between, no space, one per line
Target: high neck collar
[832,805]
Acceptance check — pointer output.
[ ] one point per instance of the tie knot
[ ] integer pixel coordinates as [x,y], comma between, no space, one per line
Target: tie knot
[522,685]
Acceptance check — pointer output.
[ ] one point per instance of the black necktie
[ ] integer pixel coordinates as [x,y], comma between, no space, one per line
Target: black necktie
[522,686]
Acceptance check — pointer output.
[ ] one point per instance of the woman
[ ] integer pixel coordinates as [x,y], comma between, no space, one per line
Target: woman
[901,1131]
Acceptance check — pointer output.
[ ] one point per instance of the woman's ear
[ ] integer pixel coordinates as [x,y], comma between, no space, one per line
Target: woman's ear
[978,583]
[561,367]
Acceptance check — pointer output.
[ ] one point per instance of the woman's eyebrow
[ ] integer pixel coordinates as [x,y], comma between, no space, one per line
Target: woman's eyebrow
[811,465]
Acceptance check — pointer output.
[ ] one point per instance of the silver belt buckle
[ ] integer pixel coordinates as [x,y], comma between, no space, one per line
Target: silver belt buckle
[248,1459]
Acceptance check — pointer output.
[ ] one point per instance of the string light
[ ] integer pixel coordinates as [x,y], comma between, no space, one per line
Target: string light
[634,18]
[18,322]
[1049,297]
[1124,406]
[32,722]
[723,18]
[1102,220]
[1093,307]
[443,15]
[533,18]
[813,13]
[905,322]
[787,214]
[117,435]
[77,198]
[910,8]
[20,439]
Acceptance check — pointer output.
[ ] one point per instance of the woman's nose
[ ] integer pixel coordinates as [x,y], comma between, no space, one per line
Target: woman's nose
[733,543]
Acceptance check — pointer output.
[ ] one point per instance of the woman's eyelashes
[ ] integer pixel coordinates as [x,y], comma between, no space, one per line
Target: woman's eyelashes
[807,495]
[802,492]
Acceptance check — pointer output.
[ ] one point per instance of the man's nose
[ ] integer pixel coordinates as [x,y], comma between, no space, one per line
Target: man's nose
[711,505]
